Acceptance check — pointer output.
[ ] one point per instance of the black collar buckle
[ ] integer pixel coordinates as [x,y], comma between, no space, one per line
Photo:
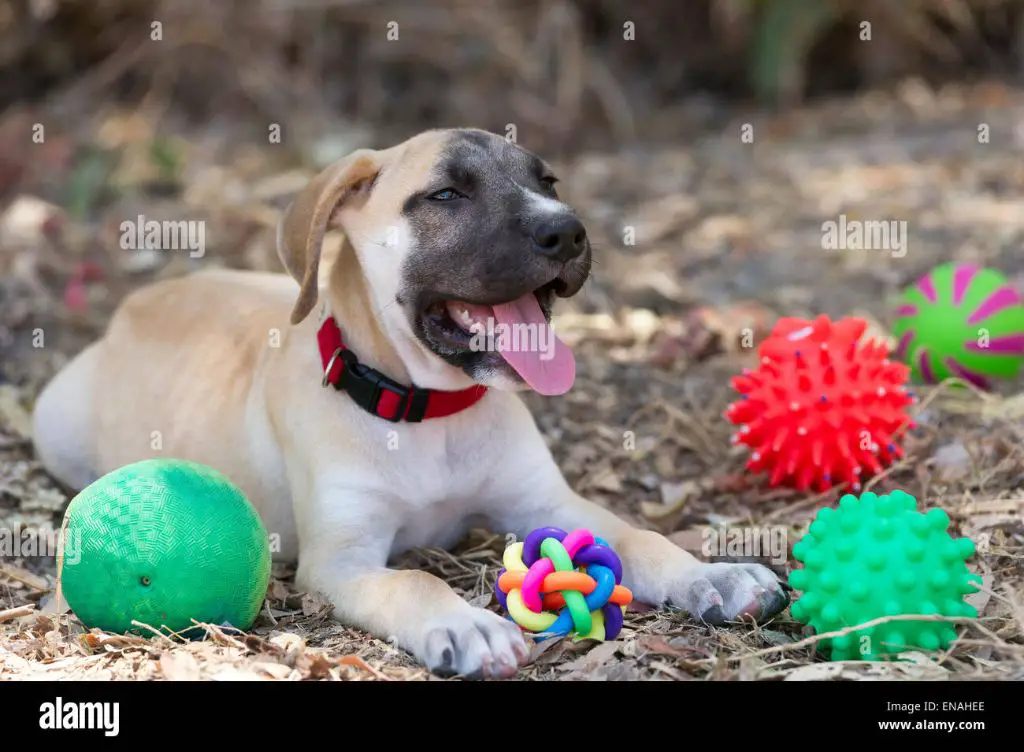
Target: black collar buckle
[366,386]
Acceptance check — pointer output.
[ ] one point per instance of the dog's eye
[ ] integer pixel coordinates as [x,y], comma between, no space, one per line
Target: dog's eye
[448,194]
[548,182]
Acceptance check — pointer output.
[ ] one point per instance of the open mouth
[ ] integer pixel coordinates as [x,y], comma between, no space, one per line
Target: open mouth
[460,324]
[517,332]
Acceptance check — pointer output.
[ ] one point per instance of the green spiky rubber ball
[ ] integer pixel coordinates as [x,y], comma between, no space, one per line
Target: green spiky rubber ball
[961,321]
[163,542]
[877,556]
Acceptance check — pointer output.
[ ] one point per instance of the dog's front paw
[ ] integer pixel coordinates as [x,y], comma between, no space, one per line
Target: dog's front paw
[472,642]
[717,593]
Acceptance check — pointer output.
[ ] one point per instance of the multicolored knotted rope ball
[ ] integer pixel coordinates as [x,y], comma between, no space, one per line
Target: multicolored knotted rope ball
[556,583]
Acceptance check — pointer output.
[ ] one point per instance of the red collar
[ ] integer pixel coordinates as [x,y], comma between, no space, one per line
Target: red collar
[376,393]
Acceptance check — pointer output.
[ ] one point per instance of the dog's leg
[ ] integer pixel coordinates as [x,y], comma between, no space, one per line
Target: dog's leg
[655,569]
[421,614]
[416,611]
[64,420]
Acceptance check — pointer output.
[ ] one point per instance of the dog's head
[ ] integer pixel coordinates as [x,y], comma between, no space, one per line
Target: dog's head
[463,245]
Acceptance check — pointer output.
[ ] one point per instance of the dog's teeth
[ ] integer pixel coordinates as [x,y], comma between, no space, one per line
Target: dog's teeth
[465,319]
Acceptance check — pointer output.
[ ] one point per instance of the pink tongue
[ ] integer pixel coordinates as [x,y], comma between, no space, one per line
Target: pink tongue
[538,355]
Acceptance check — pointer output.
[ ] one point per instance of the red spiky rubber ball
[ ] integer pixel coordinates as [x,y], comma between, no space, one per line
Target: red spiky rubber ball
[823,407]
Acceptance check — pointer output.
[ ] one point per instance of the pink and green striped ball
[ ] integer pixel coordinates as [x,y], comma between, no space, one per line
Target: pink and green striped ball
[961,321]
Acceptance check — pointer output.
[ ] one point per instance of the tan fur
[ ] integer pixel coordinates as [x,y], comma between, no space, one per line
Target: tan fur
[305,222]
[207,368]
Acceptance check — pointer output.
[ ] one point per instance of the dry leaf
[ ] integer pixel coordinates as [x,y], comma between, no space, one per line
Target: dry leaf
[43,623]
[606,480]
[278,591]
[44,499]
[952,461]
[597,656]
[707,331]
[656,511]
[317,665]
[548,651]
[53,603]
[980,598]
[276,670]
[1011,409]
[661,646]
[927,669]
[671,671]
[179,665]
[677,493]
[314,603]
[664,465]
[22,576]
[481,601]
[288,642]
[29,221]
[816,672]
[774,637]
[674,497]
[13,414]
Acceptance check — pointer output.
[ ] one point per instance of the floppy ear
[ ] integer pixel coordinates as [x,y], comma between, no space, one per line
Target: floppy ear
[300,233]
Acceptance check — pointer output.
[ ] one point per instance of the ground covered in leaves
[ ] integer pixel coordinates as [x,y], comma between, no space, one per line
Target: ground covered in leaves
[697,246]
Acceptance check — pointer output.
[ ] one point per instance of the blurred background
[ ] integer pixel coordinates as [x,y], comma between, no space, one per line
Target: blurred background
[704,142]
[218,111]
[585,72]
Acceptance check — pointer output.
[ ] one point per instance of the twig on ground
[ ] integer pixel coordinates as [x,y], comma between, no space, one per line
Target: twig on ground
[15,613]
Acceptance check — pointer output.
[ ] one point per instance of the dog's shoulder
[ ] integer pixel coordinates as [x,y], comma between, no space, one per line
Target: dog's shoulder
[232,282]
[216,320]
[270,283]
[206,294]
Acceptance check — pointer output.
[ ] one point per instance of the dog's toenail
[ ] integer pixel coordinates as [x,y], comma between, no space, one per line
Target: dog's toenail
[714,615]
[776,601]
[752,609]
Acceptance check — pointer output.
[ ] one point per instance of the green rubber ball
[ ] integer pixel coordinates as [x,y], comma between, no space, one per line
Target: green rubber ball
[163,542]
[877,557]
[962,321]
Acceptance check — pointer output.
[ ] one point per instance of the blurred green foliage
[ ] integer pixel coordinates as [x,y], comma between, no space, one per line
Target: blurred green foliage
[86,185]
[922,37]
[785,31]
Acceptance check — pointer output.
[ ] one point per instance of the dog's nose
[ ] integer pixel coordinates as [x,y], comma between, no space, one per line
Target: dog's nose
[561,238]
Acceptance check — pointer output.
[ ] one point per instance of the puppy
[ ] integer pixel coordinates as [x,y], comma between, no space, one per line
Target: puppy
[388,419]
